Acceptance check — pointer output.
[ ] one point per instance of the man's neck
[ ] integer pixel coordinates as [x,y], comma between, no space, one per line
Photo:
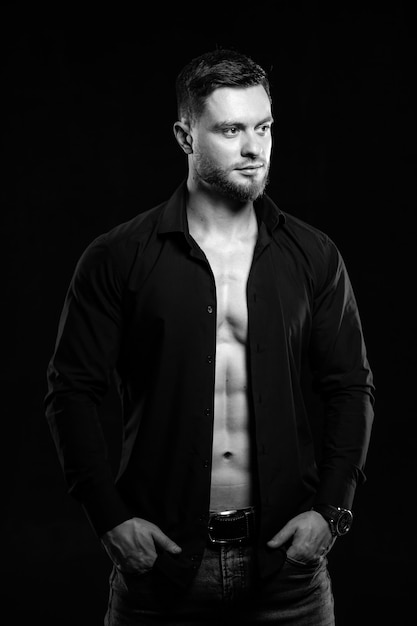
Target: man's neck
[211,213]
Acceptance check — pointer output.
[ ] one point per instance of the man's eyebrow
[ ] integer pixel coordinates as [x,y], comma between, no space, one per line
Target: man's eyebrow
[241,125]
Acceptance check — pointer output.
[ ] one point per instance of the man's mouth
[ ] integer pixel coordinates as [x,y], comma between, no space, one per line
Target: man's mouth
[250,166]
[251,169]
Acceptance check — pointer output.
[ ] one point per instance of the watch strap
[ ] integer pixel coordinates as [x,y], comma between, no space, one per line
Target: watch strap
[338,518]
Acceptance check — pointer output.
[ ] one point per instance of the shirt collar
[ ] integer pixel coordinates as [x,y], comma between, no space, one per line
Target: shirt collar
[174,217]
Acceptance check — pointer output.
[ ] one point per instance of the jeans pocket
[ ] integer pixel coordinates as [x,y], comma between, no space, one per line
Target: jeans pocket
[313,564]
[125,582]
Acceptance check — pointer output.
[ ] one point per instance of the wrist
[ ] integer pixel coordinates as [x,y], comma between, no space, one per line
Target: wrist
[338,518]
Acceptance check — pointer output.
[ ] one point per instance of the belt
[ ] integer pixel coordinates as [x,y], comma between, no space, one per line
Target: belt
[236,526]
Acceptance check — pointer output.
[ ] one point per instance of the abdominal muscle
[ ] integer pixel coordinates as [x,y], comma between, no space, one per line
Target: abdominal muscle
[231,478]
[232,473]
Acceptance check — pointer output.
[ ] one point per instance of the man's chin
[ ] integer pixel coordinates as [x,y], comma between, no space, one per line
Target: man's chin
[238,190]
[250,192]
[242,192]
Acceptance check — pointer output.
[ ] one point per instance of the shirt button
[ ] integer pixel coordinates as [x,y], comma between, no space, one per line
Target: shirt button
[206,463]
[209,359]
[209,309]
[207,412]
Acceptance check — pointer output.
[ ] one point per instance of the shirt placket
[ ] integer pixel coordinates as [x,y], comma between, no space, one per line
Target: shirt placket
[208,361]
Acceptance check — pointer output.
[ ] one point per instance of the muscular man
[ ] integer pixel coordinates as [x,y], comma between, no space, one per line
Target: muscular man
[207,309]
[226,231]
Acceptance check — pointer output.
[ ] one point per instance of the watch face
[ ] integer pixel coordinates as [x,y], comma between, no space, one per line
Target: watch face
[344,523]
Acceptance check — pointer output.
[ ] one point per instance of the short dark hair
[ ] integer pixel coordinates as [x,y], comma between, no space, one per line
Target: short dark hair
[210,71]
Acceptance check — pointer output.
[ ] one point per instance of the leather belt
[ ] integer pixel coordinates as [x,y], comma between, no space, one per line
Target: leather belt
[236,526]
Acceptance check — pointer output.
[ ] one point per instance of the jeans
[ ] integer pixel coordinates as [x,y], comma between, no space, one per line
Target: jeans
[225,590]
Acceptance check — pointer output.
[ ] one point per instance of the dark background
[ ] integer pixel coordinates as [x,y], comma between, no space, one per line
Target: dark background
[88,143]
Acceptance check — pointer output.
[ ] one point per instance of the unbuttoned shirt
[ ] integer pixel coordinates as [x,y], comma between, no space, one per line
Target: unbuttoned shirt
[141,306]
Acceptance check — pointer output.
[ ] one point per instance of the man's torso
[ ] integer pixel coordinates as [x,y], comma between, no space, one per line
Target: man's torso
[232,476]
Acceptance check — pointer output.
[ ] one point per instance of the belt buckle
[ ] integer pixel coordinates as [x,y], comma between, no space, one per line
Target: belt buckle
[216,541]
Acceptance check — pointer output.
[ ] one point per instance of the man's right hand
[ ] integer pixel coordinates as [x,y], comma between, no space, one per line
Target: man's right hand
[133,545]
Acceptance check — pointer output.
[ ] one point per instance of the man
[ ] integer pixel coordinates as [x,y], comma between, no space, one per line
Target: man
[208,309]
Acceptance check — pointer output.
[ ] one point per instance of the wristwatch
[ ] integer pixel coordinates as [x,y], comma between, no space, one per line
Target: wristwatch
[339,520]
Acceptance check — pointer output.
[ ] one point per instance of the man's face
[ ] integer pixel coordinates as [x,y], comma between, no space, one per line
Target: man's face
[232,142]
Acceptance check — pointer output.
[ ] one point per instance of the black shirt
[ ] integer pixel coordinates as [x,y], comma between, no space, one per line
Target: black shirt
[142,305]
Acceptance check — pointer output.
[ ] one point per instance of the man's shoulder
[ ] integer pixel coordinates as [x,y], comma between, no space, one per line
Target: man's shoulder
[119,247]
[163,217]
[305,231]
[310,245]
[136,228]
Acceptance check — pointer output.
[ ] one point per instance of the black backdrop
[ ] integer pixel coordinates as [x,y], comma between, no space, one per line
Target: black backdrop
[88,143]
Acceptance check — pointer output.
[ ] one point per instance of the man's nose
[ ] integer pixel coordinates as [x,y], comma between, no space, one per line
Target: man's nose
[251,145]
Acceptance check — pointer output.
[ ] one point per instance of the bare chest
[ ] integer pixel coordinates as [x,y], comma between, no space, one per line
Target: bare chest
[231,265]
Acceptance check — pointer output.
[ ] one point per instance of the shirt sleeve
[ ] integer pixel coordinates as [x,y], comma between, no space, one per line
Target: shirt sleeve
[343,378]
[78,377]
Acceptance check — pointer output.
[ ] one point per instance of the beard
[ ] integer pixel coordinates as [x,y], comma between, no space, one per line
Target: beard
[218,178]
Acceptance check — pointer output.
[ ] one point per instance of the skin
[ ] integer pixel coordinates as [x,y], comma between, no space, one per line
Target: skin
[229,150]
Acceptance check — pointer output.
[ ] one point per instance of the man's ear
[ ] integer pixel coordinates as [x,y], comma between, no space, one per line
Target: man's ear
[183,137]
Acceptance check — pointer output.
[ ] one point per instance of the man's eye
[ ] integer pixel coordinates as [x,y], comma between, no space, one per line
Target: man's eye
[231,131]
[265,128]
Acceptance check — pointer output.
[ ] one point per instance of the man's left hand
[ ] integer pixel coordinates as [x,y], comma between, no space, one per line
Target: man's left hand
[310,534]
